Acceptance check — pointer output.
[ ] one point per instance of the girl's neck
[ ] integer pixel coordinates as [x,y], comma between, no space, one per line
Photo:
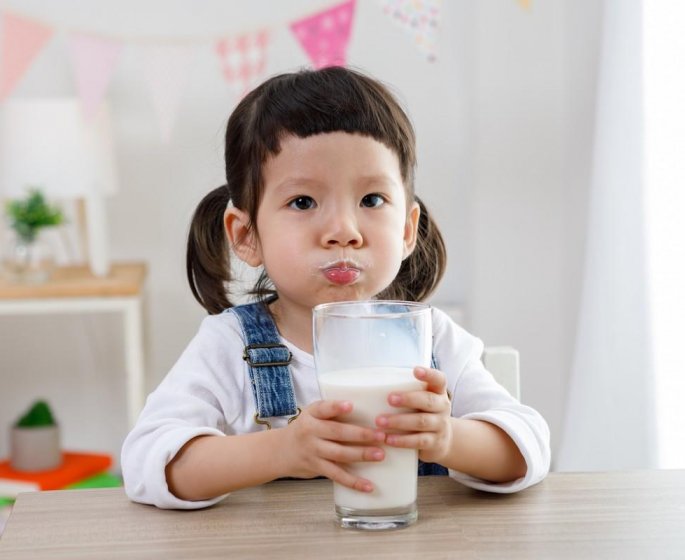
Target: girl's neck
[294,324]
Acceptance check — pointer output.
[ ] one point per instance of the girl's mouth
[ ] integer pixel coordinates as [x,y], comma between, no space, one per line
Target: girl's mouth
[341,274]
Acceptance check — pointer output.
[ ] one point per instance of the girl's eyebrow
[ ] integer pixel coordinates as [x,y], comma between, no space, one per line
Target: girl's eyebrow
[290,183]
[381,179]
[366,181]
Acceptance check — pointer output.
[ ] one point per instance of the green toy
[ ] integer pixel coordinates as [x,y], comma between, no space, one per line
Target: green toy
[102,480]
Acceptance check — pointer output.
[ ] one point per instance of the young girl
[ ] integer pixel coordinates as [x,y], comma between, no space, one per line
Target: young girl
[320,195]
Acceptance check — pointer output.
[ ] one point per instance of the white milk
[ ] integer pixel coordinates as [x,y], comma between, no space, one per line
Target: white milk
[394,478]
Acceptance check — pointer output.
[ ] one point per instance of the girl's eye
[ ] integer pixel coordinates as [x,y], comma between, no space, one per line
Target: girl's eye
[302,203]
[372,200]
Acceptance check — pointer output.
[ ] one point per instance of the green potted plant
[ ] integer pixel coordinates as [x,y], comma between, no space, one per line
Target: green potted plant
[29,260]
[34,440]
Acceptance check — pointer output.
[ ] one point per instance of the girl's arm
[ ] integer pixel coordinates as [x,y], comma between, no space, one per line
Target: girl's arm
[312,445]
[483,450]
[179,456]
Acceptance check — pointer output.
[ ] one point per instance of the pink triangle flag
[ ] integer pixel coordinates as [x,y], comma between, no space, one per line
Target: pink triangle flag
[419,18]
[325,35]
[166,70]
[93,59]
[22,40]
[243,59]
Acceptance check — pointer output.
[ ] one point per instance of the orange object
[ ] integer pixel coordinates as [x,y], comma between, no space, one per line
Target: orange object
[75,467]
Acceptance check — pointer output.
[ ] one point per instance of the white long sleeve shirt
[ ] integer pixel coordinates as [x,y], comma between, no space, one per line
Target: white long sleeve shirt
[208,392]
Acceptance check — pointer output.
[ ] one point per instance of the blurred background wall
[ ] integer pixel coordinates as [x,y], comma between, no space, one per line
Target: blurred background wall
[504,120]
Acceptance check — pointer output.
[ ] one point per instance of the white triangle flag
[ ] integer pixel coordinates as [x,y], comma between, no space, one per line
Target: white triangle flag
[166,69]
[94,60]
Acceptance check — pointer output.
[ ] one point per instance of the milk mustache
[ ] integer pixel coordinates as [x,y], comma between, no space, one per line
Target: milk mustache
[394,478]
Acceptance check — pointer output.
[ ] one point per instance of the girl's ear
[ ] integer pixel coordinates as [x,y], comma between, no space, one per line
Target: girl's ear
[411,228]
[241,236]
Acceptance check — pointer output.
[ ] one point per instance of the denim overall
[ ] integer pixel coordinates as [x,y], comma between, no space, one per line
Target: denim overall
[268,360]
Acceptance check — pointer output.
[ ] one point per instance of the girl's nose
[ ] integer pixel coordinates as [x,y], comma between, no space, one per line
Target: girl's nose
[341,229]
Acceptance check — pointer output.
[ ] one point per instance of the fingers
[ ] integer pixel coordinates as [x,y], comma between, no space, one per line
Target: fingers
[324,410]
[423,419]
[411,422]
[333,456]
[341,476]
[333,445]
[320,444]
[349,433]
[330,429]
[435,380]
[420,440]
[332,451]
[433,399]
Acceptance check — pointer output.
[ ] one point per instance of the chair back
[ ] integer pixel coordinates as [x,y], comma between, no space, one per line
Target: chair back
[503,363]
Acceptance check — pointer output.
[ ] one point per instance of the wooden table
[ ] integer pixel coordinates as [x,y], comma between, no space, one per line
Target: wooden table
[73,289]
[637,514]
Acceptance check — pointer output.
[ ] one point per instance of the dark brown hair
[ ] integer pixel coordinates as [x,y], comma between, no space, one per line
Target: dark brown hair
[303,104]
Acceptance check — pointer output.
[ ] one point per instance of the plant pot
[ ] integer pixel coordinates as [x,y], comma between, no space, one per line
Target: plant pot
[29,262]
[35,449]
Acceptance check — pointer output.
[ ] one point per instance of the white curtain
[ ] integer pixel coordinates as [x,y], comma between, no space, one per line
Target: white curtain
[664,51]
[610,421]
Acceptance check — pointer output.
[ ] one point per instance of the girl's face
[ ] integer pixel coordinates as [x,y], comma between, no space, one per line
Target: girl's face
[333,223]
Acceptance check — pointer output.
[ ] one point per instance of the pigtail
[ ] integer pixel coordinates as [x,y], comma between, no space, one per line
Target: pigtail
[421,271]
[207,260]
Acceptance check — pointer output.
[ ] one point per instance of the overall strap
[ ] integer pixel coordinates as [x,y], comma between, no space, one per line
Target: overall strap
[267,360]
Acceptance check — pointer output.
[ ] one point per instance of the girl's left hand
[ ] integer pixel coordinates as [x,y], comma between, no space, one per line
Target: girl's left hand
[427,427]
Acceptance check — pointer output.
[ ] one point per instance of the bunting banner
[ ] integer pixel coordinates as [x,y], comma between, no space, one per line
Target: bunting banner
[243,59]
[325,35]
[93,59]
[22,40]
[419,18]
[166,70]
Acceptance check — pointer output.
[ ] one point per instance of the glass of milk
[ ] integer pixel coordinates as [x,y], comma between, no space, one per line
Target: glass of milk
[363,351]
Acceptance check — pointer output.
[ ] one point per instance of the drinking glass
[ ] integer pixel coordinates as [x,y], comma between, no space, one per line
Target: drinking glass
[363,351]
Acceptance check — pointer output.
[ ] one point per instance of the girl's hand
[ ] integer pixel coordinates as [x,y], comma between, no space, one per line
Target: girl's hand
[428,427]
[316,443]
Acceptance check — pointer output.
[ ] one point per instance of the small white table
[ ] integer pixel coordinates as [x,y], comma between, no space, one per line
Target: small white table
[74,289]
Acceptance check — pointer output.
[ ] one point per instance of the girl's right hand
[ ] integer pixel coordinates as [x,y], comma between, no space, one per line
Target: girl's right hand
[315,443]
